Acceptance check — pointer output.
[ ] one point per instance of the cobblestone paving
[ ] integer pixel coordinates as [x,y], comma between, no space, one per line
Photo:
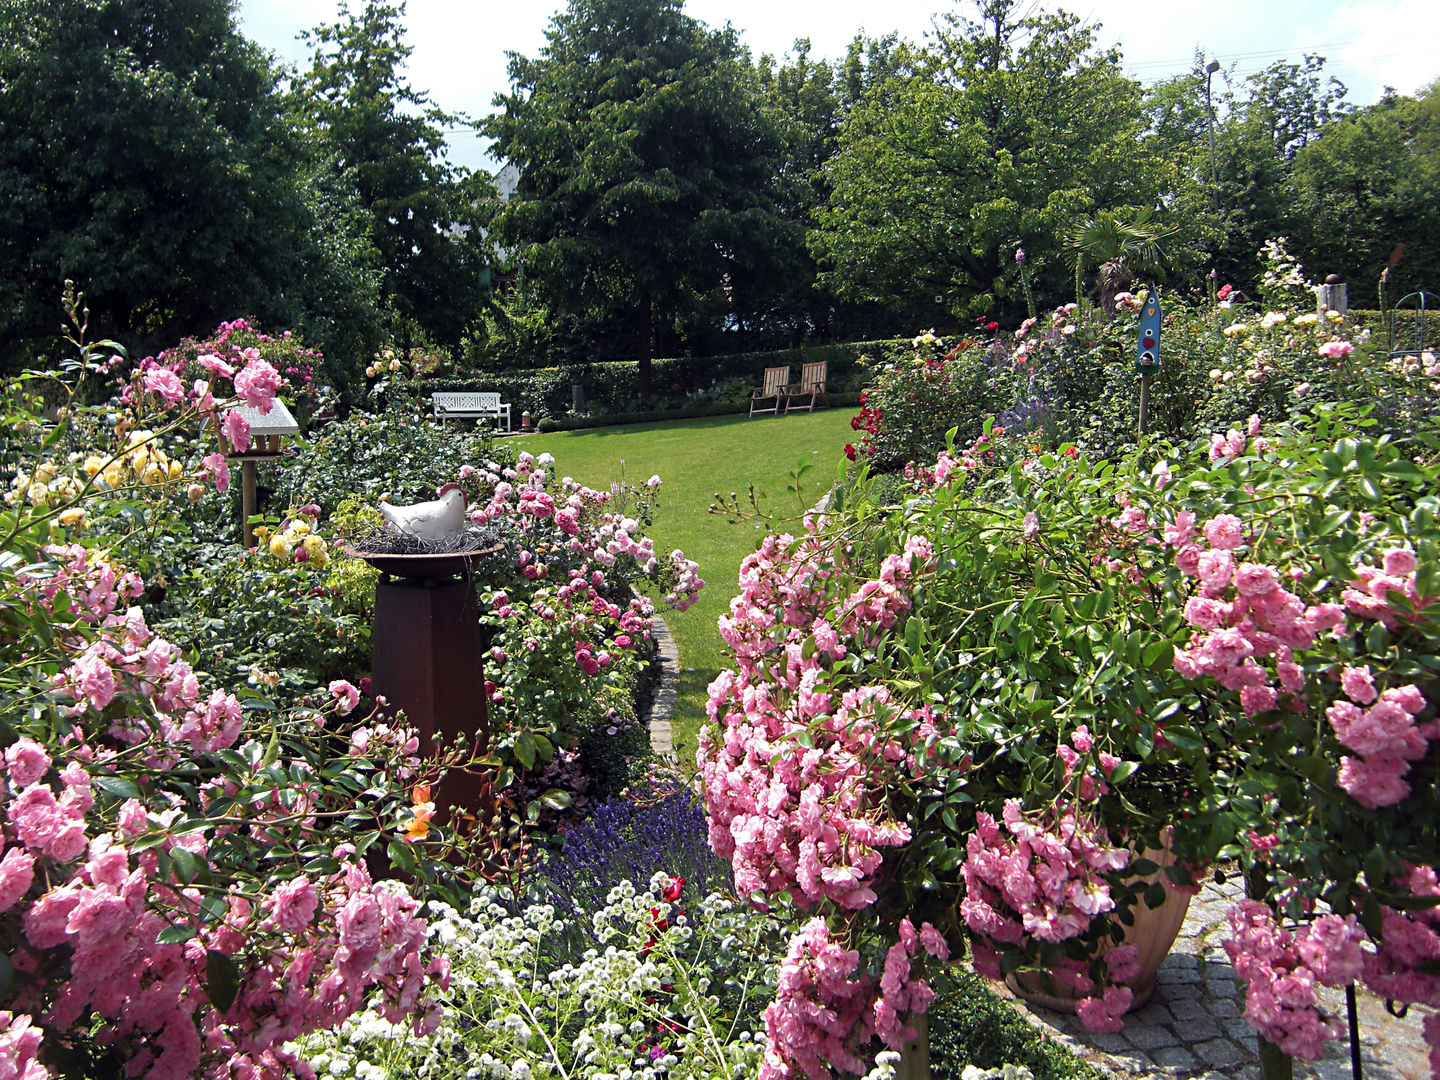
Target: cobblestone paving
[1193,1028]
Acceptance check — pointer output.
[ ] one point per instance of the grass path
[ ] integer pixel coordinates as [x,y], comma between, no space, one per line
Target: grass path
[697,459]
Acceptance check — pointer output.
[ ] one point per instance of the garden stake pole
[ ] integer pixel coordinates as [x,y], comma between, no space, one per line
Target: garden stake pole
[247,500]
[1352,1015]
[1275,1064]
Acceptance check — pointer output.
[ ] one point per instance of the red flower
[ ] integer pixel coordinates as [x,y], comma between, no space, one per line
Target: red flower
[992,326]
[1225,291]
[850,451]
[672,894]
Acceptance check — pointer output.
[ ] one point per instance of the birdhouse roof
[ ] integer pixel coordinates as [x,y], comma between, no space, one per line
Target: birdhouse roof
[277,421]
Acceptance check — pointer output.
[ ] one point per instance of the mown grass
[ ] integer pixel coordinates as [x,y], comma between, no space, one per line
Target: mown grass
[696,460]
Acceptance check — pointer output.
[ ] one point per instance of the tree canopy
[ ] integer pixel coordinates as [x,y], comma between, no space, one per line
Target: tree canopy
[143,154]
[647,165]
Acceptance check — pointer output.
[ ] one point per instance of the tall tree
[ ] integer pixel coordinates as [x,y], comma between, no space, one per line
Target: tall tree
[1366,185]
[386,141]
[1000,136]
[646,165]
[141,154]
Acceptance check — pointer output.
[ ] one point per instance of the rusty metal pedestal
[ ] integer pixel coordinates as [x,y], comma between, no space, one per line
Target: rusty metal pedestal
[428,662]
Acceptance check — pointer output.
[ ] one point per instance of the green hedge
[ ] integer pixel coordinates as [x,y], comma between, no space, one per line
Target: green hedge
[716,383]
[1378,323]
[593,420]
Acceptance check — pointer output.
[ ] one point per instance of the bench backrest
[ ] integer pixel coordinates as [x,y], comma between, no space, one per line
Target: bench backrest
[465,400]
[776,380]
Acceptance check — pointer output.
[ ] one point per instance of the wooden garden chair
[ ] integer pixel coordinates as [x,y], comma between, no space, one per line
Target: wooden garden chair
[811,388]
[777,382]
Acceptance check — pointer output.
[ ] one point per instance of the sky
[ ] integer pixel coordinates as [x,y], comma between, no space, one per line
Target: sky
[460,45]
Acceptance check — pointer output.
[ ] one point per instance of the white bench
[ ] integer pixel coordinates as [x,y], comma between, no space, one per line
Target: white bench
[464,404]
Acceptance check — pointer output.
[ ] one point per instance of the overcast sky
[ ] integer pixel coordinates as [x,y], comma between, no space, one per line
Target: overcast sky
[460,45]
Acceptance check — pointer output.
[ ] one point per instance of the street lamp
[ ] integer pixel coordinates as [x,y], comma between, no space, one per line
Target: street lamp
[1210,69]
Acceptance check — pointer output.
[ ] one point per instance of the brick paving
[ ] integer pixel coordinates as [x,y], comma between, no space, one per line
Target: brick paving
[1193,1027]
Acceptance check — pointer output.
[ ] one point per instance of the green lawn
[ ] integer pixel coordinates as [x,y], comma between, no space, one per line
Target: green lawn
[696,459]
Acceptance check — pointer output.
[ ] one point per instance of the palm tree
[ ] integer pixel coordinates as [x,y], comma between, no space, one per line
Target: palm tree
[1120,244]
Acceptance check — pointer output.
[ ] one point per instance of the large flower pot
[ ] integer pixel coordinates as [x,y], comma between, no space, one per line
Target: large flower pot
[1152,933]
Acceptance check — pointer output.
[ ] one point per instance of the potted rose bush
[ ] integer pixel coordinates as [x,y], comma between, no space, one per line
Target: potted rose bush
[999,707]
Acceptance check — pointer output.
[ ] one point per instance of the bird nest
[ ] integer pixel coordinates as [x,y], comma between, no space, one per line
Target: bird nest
[391,541]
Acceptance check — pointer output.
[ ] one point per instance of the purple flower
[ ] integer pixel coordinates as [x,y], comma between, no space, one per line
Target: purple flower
[1019,256]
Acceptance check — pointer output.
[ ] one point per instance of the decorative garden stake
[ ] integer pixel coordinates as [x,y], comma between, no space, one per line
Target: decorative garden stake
[265,431]
[1147,352]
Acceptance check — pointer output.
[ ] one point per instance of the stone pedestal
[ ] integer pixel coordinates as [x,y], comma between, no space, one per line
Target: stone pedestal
[427,661]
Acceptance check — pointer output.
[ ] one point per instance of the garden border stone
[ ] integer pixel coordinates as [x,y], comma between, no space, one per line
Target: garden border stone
[660,709]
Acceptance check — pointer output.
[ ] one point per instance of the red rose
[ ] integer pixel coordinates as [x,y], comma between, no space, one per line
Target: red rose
[850,451]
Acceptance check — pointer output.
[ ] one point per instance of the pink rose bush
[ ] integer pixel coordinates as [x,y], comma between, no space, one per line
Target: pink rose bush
[1007,689]
[172,895]
[567,617]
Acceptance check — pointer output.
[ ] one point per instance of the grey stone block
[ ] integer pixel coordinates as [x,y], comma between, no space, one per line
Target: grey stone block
[1198,1029]
[1174,1057]
[1150,1036]
[1219,1053]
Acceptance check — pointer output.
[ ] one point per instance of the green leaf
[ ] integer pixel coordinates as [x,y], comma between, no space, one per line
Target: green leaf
[222,980]
[118,786]
[525,750]
[557,799]
[175,935]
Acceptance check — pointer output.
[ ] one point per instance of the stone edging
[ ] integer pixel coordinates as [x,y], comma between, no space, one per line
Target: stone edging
[661,707]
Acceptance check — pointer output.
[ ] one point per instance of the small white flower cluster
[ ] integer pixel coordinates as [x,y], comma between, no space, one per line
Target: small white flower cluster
[660,994]
[1007,1072]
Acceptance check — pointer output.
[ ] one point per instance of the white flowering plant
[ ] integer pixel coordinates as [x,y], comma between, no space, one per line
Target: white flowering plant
[662,991]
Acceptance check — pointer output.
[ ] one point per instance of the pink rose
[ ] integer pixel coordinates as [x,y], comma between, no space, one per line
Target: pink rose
[26,761]
[1224,531]
[346,696]
[257,384]
[236,430]
[292,905]
[1358,684]
[17,871]
[166,383]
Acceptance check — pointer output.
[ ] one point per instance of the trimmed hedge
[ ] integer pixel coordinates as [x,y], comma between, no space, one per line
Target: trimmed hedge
[1378,323]
[719,384]
[594,420]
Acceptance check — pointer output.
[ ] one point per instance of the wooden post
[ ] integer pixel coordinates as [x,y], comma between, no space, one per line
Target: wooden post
[1334,295]
[247,501]
[1144,402]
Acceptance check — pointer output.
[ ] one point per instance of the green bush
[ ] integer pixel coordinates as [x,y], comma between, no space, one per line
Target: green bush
[971,1026]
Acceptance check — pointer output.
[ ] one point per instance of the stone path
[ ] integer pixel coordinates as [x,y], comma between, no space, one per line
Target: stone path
[1193,1028]
[662,705]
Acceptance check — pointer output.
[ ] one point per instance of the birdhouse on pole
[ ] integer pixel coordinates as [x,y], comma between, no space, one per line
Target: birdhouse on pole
[266,430]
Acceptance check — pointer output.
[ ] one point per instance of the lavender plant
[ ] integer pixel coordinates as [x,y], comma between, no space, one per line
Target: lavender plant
[632,839]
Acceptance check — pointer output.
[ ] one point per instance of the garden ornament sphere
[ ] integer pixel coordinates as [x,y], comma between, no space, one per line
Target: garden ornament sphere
[433,520]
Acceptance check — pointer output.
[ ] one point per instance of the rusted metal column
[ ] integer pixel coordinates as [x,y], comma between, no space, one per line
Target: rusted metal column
[428,662]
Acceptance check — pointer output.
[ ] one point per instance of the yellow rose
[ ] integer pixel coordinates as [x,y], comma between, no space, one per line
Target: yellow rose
[280,547]
[154,473]
[175,470]
[195,492]
[114,477]
[73,518]
[93,464]
[300,527]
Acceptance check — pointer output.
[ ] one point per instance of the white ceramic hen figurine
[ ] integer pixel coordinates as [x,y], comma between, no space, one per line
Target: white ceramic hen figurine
[429,520]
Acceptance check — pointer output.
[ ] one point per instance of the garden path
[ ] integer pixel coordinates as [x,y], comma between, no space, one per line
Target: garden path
[1194,1028]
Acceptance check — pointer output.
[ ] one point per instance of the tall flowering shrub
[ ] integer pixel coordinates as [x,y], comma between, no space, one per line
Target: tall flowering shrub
[172,893]
[1224,651]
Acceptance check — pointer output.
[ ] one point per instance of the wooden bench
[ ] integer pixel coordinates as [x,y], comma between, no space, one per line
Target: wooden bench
[470,405]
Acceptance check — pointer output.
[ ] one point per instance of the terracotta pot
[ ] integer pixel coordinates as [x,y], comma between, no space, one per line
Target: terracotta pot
[1153,933]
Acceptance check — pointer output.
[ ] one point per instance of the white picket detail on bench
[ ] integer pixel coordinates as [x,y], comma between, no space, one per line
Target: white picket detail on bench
[466,404]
